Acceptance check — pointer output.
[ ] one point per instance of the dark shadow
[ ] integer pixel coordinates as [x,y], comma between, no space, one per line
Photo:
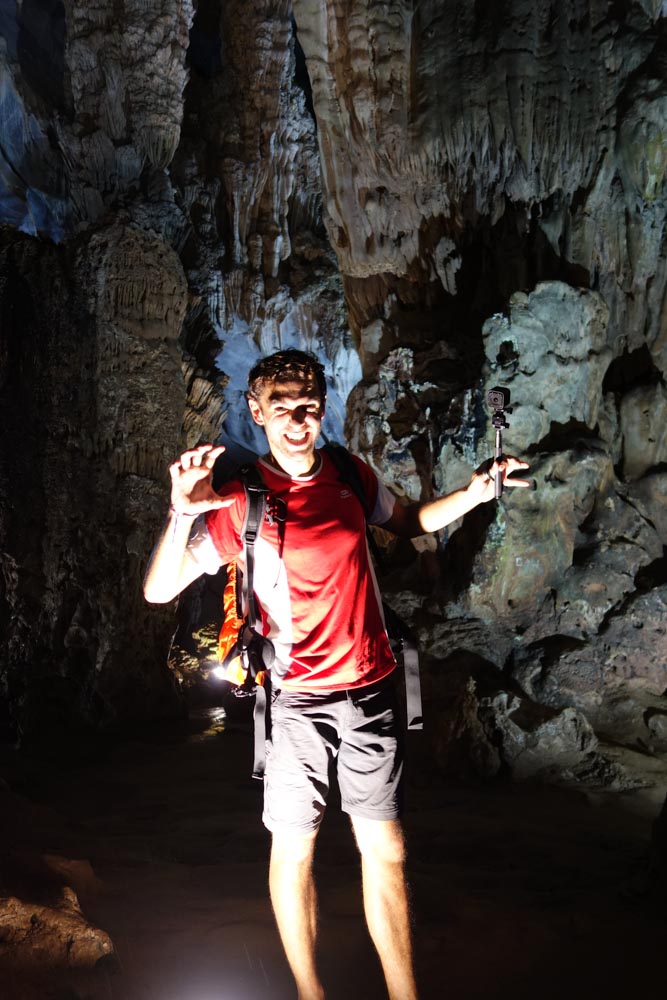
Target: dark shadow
[652,576]
[41,48]
[562,437]
[204,51]
[301,78]
[458,557]
[632,368]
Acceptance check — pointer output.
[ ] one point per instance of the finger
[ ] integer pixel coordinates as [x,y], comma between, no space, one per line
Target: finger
[176,469]
[196,457]
[213,454]
[195,454]
[183,464]
[526,483]
[185,461]
[226,502]
[485,467]
[507,466]
[512,459]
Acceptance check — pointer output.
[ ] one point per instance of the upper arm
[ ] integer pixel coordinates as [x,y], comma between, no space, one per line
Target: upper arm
[200,549]
[383,507]
[171,568]
[191,570]
[404,521]
[386,511]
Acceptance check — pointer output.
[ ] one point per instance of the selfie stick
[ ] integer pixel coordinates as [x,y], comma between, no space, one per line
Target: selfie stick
[498,399]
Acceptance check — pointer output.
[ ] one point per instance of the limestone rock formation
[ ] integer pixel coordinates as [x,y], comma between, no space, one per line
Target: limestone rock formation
[93,398]
[127,340]
[436,198]
[46,942]
[532,189]
[432,211]
[51,935]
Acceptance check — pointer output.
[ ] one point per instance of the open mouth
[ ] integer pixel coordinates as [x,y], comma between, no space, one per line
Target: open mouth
[296,439]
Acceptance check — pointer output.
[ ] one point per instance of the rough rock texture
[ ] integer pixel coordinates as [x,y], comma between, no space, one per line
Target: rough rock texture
[261,273]
[129,340]
[88,341]
[436,198]
[513,166]
[46,941]
[539,125]
[54,935]
[92,106]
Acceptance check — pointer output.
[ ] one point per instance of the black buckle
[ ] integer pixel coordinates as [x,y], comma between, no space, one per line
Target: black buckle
[276,510]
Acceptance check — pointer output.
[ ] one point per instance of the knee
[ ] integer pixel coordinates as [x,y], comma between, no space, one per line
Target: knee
[380,841]
[292,848]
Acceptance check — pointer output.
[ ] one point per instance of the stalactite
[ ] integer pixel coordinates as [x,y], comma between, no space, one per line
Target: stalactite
[492,186]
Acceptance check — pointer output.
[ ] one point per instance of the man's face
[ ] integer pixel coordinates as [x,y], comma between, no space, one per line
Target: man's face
[291,415]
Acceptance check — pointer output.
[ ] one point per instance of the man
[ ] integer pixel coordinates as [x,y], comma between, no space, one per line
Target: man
[332,696]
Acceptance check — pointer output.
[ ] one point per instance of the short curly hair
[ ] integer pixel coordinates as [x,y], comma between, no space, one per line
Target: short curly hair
[290,365]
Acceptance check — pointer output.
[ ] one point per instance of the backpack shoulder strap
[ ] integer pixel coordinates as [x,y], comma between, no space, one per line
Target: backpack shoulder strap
[349,474]
[348,471]
[256,492]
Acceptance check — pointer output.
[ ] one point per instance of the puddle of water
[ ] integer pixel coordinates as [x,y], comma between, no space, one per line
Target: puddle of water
[207,722]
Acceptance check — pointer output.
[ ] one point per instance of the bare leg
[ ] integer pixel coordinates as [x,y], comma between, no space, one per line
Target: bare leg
[294,901]
[386,901]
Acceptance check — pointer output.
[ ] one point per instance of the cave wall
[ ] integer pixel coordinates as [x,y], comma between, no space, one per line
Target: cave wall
[89,338]
[159,187]
[503,222]
[435,198]
[493,147]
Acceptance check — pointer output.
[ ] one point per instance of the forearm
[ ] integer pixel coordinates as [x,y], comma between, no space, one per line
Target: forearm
[436,514]
[424,518]
[170,568]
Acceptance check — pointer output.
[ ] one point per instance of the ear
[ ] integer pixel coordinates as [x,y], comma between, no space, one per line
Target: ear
[255,411]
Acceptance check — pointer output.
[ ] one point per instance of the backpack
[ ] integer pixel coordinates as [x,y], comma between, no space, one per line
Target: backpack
[245,654]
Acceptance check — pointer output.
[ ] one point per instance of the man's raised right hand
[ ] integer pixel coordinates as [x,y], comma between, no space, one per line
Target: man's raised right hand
[192,481]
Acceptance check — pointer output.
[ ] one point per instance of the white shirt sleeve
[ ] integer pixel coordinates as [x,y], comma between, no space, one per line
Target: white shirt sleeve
[201,548]
[384,505]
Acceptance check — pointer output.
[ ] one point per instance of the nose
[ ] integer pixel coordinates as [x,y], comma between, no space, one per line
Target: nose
[298,415]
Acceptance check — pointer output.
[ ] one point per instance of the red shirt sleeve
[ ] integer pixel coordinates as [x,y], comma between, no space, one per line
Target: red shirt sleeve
[379,499]
[225,524]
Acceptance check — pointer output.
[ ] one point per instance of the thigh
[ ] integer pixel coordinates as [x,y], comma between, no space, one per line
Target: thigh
[304,740]
[370,760]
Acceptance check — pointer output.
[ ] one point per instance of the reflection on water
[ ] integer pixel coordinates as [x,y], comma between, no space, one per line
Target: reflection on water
[207,722]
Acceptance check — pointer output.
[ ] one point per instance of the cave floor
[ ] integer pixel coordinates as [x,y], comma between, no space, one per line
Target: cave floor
[518,889]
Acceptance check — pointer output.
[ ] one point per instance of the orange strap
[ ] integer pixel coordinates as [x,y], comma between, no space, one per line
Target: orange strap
[229,633]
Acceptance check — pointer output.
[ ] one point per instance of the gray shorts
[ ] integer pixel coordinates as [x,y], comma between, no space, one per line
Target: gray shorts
[355,731]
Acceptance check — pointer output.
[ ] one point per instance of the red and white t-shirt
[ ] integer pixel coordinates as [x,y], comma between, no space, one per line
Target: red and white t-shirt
[315,588]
